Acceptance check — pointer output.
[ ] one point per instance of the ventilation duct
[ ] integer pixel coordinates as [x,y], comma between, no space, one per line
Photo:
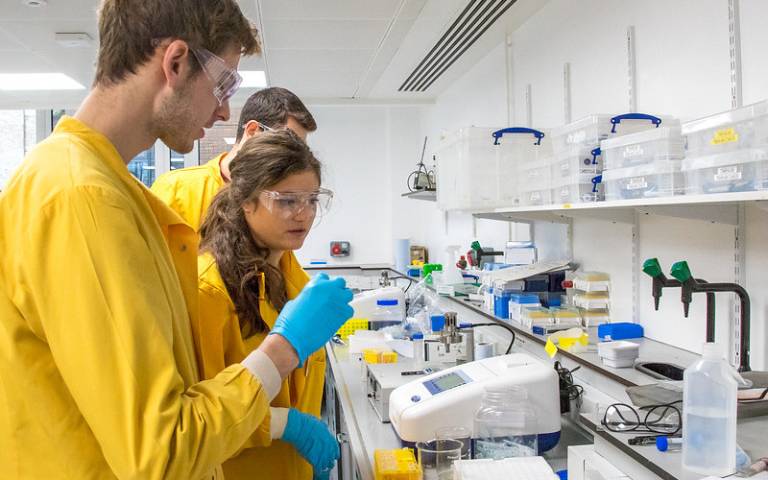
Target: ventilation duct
[477,17]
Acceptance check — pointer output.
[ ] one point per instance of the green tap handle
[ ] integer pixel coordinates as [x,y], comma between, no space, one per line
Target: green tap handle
[652,267]
[681,271]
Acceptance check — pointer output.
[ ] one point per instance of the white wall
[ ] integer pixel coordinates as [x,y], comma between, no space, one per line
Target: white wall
[367,153]
[682,70]
[682,66]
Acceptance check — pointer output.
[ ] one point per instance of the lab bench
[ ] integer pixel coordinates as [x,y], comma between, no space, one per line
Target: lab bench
[351,416]
[349,413]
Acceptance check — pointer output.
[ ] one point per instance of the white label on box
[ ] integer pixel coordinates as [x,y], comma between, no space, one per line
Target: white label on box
[727,174]
[633,151]
[577,137]
[637,183]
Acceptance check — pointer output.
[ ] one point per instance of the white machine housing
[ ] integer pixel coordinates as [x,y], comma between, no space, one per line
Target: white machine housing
[364,303]
[451,397]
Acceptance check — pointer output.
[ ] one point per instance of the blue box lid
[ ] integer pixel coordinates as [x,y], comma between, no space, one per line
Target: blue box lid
[620,331]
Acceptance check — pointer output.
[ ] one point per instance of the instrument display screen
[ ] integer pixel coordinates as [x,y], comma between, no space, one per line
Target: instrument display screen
[446,382]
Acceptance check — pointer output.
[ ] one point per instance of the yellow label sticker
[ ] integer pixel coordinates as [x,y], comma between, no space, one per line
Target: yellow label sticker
[726,135]
[550,348]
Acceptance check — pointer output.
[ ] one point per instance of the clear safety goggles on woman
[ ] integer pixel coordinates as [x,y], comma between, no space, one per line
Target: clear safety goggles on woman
[286,205]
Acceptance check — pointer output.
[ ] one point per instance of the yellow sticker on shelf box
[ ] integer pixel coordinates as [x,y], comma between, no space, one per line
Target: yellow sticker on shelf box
[726,135]
[550,348]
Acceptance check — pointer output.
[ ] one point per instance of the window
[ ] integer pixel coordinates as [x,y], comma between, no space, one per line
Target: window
[143,166]
[18,134]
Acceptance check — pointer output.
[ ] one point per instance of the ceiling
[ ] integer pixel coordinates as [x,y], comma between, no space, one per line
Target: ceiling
[324,51]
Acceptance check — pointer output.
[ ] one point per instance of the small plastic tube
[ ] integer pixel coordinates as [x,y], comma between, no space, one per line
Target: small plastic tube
[664,444]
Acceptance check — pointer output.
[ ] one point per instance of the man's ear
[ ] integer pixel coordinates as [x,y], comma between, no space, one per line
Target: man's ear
[175,63]
[252,127]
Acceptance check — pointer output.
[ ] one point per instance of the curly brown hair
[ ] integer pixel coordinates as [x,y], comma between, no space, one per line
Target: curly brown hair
[261,162]
[129,31]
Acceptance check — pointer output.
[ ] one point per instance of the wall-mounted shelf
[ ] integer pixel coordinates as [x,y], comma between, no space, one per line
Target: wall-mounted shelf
[717,208]
[429,195]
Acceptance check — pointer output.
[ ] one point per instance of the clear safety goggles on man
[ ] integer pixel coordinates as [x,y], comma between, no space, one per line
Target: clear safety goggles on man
[287,205]
[225,80]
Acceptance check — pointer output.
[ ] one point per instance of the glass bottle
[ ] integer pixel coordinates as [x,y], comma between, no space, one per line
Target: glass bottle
[505,424]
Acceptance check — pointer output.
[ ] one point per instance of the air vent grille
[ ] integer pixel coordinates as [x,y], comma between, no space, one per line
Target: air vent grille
[477,17]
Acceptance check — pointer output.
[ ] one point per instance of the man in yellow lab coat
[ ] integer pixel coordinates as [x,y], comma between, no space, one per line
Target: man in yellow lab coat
[98,285]
[189,191]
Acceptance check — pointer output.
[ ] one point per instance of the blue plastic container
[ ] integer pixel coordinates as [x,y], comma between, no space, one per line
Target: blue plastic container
[620,331]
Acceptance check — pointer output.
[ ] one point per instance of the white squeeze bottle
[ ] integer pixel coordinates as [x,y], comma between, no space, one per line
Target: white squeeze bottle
[709,414]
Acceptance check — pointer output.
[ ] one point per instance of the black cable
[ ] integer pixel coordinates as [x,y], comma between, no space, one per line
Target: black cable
[410,281]
[567,386]
[506,327]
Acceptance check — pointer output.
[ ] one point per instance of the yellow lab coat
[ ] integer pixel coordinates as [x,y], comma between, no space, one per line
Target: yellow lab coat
[220,343]
[98,291]
[189,191]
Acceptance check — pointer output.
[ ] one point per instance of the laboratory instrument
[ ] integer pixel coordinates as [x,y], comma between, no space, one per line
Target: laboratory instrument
[421,178]
[420,407]
[709,409]
[382,379]
[505,424]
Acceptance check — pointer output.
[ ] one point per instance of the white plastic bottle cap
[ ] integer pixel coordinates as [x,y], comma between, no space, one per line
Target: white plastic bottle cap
[712,351]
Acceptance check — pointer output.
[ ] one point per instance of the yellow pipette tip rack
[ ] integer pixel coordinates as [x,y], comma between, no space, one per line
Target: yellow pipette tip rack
[397,464]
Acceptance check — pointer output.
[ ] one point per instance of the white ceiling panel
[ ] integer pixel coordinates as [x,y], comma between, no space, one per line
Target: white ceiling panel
[9,43]
[24,62]
[324,34]
[55,10]
[319,60]
[41,35]
[332,84]
[329,9]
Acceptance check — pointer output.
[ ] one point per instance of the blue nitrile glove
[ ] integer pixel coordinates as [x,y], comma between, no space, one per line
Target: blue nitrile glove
[311,319]
[313,441]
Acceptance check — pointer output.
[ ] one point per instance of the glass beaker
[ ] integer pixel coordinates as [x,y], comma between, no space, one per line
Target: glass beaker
[462,434]
[436,458]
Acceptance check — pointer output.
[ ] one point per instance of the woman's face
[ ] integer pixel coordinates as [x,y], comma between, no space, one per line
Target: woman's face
[279,222]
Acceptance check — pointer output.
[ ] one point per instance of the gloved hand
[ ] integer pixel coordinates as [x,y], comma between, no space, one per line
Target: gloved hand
[313,441]
[312,318]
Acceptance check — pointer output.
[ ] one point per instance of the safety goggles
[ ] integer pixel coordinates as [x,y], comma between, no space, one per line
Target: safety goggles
[225,80]
[290,204]
[663,419]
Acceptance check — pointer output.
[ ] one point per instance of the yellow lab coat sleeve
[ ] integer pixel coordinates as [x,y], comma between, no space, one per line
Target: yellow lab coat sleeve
[133,398]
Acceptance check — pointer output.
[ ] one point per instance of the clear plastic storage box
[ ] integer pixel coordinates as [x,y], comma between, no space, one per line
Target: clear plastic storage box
[651,146]
[651,180]
[466,170]
[517,147]
[578,158]
[742,128]
[727,152]
[584,135]
[581,187]
[740,171]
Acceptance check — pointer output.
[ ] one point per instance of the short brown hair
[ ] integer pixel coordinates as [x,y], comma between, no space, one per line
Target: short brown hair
[272,107]
[129,31]
[262,162]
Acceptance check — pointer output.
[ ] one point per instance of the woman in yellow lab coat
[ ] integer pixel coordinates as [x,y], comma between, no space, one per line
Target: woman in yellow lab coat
[247,271]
